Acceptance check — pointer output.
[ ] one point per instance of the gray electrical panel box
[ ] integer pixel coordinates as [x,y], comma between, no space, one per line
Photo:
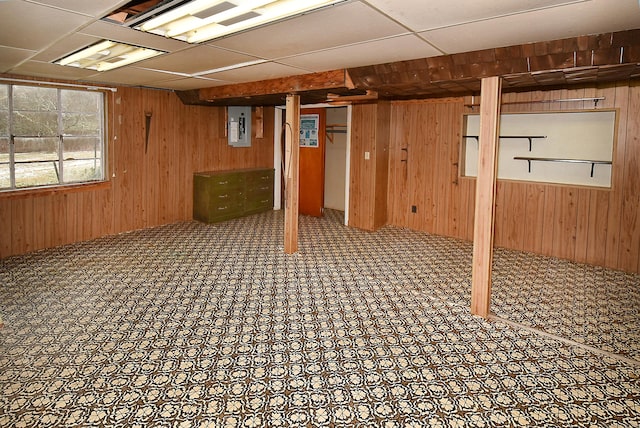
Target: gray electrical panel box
[239,126]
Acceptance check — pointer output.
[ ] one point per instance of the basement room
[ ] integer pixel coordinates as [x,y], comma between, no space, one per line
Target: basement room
[319,213]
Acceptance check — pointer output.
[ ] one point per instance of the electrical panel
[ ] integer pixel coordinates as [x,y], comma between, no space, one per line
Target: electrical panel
[239,126]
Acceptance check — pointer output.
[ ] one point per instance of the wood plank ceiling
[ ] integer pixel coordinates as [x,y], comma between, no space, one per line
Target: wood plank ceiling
[576,60]
[558,63]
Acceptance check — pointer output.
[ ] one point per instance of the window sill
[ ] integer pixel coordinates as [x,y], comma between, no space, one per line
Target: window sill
[54,190]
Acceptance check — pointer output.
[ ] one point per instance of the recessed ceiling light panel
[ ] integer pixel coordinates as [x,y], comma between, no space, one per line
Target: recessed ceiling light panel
[201,20]
[214,10]
[107,55]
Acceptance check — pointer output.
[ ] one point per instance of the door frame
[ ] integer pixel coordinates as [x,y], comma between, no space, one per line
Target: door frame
[277,157]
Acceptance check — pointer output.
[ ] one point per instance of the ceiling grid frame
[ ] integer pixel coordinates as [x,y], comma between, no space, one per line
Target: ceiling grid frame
[60,32]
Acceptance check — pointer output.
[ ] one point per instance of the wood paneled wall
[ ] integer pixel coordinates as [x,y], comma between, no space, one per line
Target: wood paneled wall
[423,169]
[595,226]
[370,134]
[146,188]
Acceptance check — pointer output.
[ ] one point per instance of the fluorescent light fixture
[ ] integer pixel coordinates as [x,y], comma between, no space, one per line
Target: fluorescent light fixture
[107,55]
[231,67]
[201,20]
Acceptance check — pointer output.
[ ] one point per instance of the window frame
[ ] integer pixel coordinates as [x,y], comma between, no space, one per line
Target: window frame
[101,137]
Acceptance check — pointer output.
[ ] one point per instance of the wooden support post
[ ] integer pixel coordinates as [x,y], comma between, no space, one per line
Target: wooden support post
[483,228]
[291,173]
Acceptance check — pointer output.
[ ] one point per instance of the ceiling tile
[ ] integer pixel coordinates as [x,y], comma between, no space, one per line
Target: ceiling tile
[336,26]
[46,69]
[355,33]
[43,24]
[586,18]
[376,52]
[9,58]
[95,8]
[190,83]
[269,70]
[195,60]
[421,15]
[65,46]
[136,76]
[118,33]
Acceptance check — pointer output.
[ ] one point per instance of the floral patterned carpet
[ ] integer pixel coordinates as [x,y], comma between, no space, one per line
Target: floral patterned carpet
[196,325]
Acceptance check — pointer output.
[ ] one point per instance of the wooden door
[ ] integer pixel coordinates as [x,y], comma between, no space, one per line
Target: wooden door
[312,147]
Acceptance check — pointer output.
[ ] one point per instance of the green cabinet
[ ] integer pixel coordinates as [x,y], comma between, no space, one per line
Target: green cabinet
[223,195]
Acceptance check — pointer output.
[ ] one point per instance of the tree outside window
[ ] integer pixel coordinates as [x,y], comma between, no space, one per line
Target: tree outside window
[50,136]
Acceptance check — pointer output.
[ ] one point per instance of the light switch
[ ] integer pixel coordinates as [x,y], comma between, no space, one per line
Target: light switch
[367,156]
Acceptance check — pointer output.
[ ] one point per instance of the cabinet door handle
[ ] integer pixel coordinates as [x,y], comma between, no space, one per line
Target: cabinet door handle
[222,208]
[223,196]
[223,182]
[264,201]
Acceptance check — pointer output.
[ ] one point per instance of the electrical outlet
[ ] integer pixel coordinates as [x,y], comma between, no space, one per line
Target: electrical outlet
[414,209]
[367,156]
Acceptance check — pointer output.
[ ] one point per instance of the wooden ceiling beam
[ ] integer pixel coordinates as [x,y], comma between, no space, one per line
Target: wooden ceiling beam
[609,55]
[335,79]
[576,60]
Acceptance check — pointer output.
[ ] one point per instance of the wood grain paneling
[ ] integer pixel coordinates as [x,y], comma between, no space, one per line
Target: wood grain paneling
[591,225]
[584,224]
[369,177]
[398,199]
[362,171]
[581,60]
[329,80]
[483,235]
[381,155]
[630,193]
[292,174]
[423,168]
[146,188]
[533,211]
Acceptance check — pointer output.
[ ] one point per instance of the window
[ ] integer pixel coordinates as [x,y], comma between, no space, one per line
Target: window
[564,147]
[50,136]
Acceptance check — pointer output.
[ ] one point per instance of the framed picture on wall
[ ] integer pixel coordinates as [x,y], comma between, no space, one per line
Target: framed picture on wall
[309,130]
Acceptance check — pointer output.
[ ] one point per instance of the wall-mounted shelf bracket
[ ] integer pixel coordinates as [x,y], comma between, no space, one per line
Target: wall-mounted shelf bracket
[588,161]
[335,129]
[528,137]
[595,100]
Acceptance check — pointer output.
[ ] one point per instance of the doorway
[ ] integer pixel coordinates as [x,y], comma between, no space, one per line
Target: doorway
[336,150]
[335,175]
[312,161]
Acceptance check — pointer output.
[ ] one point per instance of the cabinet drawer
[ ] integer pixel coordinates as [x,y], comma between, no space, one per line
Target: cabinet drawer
[225,181]
[263,203]
[260,190]
[221,209]
[257,178]
[224,211]
[223,194]
[205,187]
[214,180]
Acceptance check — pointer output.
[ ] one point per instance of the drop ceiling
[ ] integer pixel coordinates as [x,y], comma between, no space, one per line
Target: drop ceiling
[350,35]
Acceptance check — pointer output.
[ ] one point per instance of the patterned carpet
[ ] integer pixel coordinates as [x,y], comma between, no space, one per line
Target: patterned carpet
[195,325]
